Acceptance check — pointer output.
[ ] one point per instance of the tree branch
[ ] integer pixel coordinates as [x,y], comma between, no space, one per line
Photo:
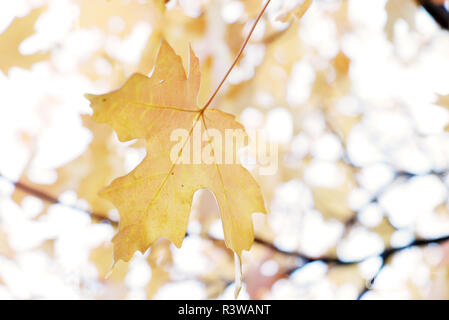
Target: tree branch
[333,261]
[54,200]
[438,12]
[388,253]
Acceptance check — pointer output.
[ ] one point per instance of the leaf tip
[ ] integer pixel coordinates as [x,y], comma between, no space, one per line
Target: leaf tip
[89,96]
[103,193]
[177,242]
[164,45]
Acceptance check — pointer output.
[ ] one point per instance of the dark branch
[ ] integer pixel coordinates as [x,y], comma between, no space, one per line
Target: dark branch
[334,261]
[54,200]
[388,253]
[438,12]
[103,218]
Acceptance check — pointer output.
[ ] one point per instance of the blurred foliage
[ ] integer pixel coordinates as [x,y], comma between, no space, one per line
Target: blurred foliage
[354,94]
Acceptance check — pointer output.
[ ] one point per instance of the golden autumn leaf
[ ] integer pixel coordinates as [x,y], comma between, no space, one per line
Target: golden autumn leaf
[154,200]
[12,37]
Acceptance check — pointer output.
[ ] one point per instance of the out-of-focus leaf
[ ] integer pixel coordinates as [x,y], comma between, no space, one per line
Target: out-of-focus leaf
[399,9]
[12,37]
[119,16]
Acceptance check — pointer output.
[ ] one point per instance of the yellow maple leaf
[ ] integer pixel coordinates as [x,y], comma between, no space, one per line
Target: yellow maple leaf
[12,37]
[154,200]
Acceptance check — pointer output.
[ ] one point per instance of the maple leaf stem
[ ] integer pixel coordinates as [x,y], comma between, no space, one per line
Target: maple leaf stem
[242,48]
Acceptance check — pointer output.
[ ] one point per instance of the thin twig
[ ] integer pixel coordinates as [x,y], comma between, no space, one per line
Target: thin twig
[242,48]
